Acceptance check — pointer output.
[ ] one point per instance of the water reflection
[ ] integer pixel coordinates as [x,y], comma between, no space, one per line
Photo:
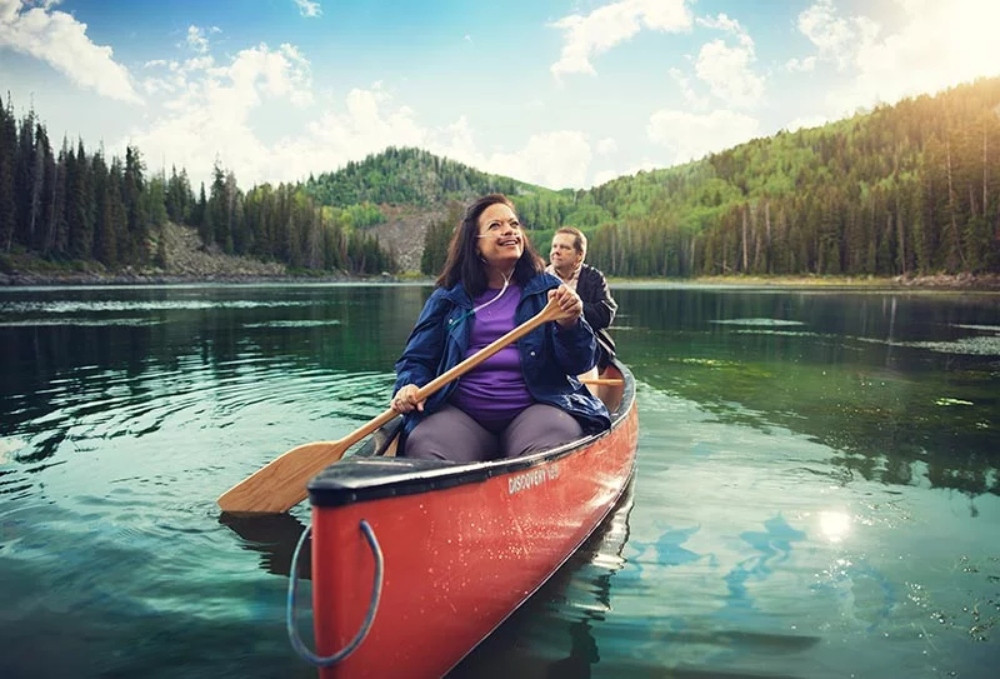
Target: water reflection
[80,366]
[902,387]
[274,537]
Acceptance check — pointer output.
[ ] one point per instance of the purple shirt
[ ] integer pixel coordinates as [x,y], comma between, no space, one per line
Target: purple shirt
[494,392]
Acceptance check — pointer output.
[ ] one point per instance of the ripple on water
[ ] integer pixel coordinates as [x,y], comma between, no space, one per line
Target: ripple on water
[98,306]
[758,322]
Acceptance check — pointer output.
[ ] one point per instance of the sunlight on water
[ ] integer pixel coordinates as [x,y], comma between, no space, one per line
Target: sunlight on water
[292,324]
[9,448]
[834,525]
[977,346]
[776,322]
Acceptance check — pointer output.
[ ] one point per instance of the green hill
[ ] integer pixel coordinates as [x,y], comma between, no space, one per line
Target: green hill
[408,176]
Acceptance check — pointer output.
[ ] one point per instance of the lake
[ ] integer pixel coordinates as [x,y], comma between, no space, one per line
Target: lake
[817,490]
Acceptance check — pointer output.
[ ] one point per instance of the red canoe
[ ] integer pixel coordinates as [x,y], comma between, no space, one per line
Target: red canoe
[415,562]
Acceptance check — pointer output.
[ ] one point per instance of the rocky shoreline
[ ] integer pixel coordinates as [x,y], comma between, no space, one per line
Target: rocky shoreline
[187,262]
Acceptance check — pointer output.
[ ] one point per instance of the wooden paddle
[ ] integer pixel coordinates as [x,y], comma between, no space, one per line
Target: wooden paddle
[281,484]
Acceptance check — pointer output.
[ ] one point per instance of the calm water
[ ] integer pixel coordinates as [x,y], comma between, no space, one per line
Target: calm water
[817,491]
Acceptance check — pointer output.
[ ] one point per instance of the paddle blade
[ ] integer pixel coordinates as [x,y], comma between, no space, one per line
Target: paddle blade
[281,484]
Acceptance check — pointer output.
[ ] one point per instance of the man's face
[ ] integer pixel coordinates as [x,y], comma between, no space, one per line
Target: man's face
[563,256]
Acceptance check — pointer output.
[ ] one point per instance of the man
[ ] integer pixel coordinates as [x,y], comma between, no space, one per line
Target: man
[569,249]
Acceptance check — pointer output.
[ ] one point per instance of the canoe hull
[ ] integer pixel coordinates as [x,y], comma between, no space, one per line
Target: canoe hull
[459,557]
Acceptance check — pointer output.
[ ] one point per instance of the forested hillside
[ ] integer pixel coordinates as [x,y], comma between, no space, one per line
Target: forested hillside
[407,176]
[909,189]
[74,206]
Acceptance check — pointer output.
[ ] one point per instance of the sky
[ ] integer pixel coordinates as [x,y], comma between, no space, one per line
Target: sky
[560,93]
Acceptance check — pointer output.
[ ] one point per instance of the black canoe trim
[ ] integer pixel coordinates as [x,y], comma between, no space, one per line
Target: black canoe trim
[367,476]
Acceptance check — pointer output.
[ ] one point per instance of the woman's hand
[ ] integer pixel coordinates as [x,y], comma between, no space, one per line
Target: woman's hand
[405,400]
[570,303]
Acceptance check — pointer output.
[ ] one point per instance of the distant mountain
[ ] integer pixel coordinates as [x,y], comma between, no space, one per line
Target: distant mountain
[409,176]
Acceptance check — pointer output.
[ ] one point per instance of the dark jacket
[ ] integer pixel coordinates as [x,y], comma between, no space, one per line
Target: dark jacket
[599,309]
[551,356]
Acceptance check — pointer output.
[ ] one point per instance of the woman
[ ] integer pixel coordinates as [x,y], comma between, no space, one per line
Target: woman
[520,400]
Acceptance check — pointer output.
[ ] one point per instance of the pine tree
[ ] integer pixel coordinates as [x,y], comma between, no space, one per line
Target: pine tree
[25,174]
[135,207]
[8,159]
[47,185]
[79,205]
[105,238]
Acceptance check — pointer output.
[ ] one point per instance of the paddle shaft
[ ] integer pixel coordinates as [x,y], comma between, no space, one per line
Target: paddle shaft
[603,381]
[281,484]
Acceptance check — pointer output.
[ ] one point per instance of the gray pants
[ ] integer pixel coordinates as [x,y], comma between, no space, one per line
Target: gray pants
[451,434]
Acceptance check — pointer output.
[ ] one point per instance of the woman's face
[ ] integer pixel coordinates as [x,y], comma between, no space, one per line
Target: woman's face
[563,256]
[501,241]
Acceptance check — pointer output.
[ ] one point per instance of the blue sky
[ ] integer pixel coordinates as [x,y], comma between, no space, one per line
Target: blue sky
[566,94]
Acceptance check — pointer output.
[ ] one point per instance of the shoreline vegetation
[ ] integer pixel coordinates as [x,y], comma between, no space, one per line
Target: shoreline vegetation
[188,263]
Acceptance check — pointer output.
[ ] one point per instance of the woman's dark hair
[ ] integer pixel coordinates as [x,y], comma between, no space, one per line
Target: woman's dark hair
[464,264]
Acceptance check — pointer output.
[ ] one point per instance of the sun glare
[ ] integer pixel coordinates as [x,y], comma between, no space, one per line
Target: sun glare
[834,525]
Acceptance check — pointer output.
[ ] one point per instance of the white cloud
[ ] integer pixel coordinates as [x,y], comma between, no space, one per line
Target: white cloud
[722,22]
[936,45]
[607,146]
[197,39]
[369,123]
[61,41]
[835,38]
[940,45]
[727,69]
[607,26]
[208,114]
[805,65]
[692,98]
[727,72]
[210,109]
[689,136]
[308,8]
[558,159]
